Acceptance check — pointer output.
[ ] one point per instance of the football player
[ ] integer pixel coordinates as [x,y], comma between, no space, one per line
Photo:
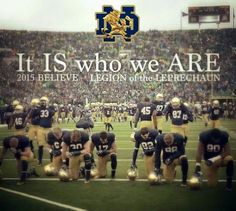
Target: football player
[18,120]
[176,110]
[146,113]
[107,111]
[172,146]
[20,147]
[131,111]
[186,120]
[160,105]
[45,115]
[105,144]
[146,138]
[215,113]
[76,146]
[33,119]
[204,112]
[9,111]
[54,140]
[214,147]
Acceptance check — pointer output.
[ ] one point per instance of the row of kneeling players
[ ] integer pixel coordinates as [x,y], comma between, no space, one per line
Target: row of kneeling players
[69,149]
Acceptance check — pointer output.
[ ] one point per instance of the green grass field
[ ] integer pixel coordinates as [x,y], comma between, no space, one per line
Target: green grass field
[118,194]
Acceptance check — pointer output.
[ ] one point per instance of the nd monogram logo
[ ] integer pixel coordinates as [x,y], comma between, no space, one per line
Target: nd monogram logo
[113,22]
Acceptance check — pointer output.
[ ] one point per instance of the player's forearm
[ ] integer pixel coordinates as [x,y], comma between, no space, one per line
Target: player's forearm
[157,159]
[135,154]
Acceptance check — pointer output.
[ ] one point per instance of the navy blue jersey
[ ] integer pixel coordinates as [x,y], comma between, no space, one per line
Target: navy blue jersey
[45,116]
[169,151]
[76,145]
[22,144]
[85,123]
[215,113]
[147,145]
[176,114]
[19,120]
[55,142]
[34,116]
[107,112]
[211,148]
[103,145]
[145,111]
[160,105]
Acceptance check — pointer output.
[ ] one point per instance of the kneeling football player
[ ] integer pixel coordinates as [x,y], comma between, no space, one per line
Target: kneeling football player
[76,146]
[55,139]
[214,147]
[172,146]
[20,147]
[146,138]
[105,144]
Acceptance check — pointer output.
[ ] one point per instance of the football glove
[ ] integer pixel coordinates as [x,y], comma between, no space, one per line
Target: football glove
[56,152]
[102,152]
[168,161]
[208,163]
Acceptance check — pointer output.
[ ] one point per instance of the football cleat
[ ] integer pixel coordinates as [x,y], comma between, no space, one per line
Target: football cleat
[63,175]
[132,174]
[194,183]
[50,170]
[175,102]
[154,179]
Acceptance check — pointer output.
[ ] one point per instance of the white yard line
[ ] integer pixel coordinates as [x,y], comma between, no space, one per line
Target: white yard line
[97,180]
[119,160]
[41,199]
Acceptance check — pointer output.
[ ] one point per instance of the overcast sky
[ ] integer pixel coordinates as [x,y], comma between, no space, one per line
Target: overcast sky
[79,15]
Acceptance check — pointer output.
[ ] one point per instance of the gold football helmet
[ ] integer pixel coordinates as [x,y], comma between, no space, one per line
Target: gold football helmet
[154,179]
[216,103]
[194,183]
[50,170]
[159,97]
[132,174]
[35,102]
[63,175]
[19,108]
[175,102]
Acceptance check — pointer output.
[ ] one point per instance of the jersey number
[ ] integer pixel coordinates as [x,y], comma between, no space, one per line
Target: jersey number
[213,148]
[159,107]
[76,146]
[146,110]
[171,149]
[147,145]
[177,114]
[103,147]
[44,113]
[18,121]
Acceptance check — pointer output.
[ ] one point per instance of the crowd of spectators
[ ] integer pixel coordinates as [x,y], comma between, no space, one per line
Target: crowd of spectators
[159,45]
